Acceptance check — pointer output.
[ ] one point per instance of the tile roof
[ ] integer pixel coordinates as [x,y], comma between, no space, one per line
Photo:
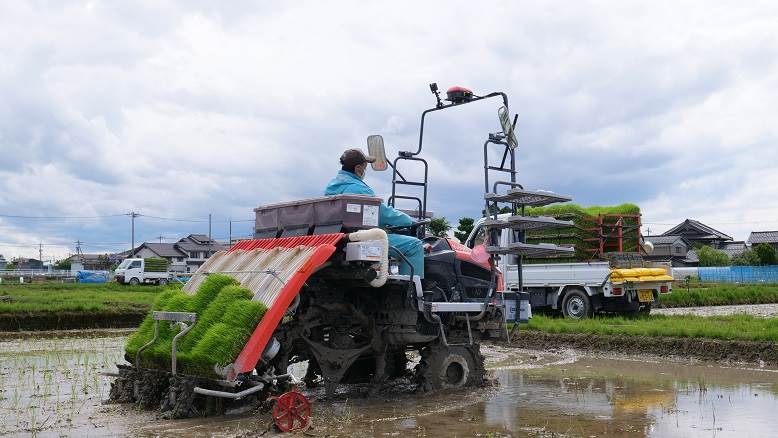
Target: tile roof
[758,237]
[164,249]
[738,245]
[712,233]
[662,239]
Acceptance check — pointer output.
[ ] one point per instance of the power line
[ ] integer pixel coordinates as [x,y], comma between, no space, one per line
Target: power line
[173,219]
[16,216]
[716,223]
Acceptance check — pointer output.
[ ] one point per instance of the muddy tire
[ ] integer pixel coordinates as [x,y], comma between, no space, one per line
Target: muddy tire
[134,281]
[577,305]
[450,367]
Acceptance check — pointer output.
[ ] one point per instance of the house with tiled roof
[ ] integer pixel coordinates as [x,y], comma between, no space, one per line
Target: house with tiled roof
[698,233]
[674,249]
[91,262]
[768,237]
[186,255]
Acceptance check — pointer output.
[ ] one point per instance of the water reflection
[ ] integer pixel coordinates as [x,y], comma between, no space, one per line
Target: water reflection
[601,397]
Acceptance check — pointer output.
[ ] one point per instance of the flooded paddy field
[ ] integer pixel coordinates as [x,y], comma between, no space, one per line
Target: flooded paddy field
[52,386]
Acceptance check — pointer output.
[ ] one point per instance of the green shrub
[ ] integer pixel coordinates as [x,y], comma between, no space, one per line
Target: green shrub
[746,258]
[766,254]
[712,257]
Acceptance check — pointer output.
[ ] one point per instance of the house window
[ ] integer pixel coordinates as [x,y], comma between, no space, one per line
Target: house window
[677,249]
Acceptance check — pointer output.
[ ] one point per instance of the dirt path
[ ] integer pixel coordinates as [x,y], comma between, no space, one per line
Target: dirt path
[763,310]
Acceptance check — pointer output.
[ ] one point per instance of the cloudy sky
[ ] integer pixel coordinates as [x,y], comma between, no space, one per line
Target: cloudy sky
[180,109]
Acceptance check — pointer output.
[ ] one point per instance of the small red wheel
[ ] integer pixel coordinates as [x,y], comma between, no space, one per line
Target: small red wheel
[292,412]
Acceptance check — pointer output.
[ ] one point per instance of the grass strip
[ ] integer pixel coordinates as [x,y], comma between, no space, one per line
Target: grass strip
[39,298]
[226,318]
[720,295]
[731,327]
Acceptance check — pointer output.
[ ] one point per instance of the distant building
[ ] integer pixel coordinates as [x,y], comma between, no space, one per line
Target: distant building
[2,263]
[698,233]
[734,248]
[674,249]
[25,263]
[186,255]
[92,262]
[768,237]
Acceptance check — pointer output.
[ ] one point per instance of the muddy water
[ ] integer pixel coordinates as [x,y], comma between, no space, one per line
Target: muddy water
[52,386]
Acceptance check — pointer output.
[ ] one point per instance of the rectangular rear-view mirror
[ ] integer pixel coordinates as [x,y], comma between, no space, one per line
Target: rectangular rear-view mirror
[507,127]
[375,148]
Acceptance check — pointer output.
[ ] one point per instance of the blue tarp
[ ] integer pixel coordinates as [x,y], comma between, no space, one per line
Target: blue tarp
[92,276]
[740,274]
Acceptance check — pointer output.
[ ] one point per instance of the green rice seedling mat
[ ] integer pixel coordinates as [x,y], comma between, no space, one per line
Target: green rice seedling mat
[156,264]
[226,318]
[580,235]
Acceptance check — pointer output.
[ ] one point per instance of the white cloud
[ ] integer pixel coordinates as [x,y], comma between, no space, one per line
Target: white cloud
[178,109]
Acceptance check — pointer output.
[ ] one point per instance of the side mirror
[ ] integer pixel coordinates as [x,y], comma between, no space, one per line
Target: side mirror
[375,148]
[507,127]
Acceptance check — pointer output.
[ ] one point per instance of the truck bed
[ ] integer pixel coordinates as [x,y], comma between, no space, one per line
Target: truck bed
[558,274]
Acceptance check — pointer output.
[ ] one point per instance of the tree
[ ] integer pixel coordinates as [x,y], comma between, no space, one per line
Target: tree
[466,225]
[63,264]
[712,257]
[766,254]
[746,258]
[439,227]
[10,266]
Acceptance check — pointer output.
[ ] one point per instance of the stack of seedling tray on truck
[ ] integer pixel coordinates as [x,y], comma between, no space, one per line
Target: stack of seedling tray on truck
[597,231]
[155,264]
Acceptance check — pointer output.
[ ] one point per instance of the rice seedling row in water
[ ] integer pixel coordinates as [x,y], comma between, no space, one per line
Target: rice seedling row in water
[226,317]
[51,381]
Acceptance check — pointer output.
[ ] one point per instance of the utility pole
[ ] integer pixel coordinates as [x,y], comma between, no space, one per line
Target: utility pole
[40,253]
[133,215]
[209,236]
[230,232]
[160,238]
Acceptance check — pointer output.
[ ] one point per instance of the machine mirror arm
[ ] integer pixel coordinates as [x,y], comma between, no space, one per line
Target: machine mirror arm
[444,106]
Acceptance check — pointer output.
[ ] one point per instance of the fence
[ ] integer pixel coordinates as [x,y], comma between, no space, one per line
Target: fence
[29,274]
[740,274]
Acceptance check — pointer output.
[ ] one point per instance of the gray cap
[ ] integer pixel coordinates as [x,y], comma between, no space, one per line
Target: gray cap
[354,157]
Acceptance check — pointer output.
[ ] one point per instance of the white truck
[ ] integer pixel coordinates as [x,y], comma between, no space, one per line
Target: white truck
[133,272]
[580,289]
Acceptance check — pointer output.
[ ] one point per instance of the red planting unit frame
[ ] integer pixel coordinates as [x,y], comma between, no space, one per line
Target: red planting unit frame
[322,246]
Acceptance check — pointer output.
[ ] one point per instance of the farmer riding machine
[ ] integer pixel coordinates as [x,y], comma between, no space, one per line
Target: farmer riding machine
[325,291]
